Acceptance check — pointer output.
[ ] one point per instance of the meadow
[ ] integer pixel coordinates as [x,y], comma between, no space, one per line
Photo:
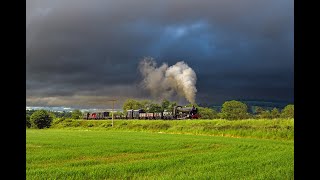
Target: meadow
[151,150]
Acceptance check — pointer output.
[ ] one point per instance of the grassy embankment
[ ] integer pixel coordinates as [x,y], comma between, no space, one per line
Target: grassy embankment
[262,128]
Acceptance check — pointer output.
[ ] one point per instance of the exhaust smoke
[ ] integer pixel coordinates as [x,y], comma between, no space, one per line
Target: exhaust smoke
[167,81]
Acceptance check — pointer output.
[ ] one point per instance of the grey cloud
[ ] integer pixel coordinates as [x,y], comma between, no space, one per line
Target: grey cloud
[82,49]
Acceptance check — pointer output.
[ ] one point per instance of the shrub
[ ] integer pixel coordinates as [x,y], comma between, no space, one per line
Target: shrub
[207,113]
[90,125]
[28,122]
[76,114]
[275,113]
[58,120]
[106,125]
[41,119]
[234,110]
[266,114]
[288,111]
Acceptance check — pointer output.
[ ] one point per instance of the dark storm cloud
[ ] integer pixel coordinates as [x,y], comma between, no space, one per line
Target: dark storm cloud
[78,51]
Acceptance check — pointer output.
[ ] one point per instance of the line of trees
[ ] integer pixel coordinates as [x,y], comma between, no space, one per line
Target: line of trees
[148,106]
[57,114]
[43,119]
[231,110]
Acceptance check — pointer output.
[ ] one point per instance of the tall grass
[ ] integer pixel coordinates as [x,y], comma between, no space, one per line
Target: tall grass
[263,128]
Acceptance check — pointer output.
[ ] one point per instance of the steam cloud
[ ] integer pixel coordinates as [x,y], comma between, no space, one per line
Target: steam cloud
[165,81]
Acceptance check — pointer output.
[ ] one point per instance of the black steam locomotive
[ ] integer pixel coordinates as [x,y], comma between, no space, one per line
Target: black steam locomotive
[178,112]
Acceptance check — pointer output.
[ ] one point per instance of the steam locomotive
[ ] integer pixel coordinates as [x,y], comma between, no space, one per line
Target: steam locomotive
[178,112]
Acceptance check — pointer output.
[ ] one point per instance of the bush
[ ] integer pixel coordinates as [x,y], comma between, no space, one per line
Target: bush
[275,113]
[105,125]
[266,114]
[207,113]
[28,122]
[234,110]
[41,119]
[76,114]
[58,120]
[288,111]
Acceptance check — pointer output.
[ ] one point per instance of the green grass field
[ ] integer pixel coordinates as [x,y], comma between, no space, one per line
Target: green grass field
[97,153]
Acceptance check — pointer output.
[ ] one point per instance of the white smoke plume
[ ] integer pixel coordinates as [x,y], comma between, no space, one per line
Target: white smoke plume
[165,81]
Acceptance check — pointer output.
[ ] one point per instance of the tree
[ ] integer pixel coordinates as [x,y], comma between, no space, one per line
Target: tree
[118,113]
[258,110]
[76,114]
[28,123]
[275,113]
[288,111]
[154,107]
[265,114]
[52,114]
[234,110]
[145,104]
[66,114]
[190,105]
[207,113]
[30,112]
[165,104]
[171,105]
[41,119]
[131,104]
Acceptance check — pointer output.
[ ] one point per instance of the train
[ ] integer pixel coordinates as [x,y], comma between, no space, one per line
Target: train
[96,115]
[178,112]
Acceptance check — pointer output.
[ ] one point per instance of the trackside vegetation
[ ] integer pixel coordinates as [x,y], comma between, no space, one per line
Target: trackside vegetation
[40,119]
[266,129]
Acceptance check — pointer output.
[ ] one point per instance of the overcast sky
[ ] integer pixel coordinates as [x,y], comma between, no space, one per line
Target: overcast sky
[80,53]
